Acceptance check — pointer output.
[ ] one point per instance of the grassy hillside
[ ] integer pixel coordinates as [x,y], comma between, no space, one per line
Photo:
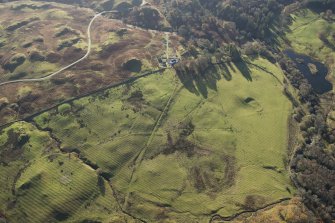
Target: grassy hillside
[175,154]
[19,144]
[40,184]
[38,38]
[203,141]
[306,33]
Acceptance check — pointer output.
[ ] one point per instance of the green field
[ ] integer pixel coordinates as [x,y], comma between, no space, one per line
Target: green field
[40,184]
[173,154]
[116,139]
[304,37]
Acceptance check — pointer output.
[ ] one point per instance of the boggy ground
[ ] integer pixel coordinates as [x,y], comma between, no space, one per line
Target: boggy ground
[57,37]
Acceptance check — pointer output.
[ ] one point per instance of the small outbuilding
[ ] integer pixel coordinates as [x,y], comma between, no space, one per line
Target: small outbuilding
[168,62]
[173,61]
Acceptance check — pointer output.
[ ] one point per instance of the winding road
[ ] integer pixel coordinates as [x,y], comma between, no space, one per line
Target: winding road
[89,45]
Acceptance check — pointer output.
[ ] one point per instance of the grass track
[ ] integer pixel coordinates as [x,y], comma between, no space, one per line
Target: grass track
[115,127]
[53,185]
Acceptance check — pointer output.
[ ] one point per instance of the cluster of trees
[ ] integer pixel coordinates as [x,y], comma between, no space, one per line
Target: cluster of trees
[253,18]
[257,48]
[194,67]
[320,5]
[328,15]
[208,25]
[147,17]
[225,20]
[199,71]
[313,165]
[192,21]
[298,81]
[198,64]
[323,36]
[314,169]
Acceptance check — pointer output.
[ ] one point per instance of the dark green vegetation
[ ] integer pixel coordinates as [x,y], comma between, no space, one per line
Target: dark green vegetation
[237,20]
[320,6]
[233,132]
[313,166]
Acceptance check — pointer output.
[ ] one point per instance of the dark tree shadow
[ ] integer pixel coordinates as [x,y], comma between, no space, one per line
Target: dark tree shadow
[231,67]
[188,83]
[212,76]
[202,87]
[199,84]
[276,33]
[244,69]
[207,80]
[226,72]
[328,43]
[101,185]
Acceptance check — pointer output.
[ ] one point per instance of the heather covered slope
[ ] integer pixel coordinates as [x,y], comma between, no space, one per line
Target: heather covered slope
[232,131]
[55,37]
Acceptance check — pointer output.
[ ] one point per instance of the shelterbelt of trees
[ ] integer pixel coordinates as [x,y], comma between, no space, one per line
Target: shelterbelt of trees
[313,165]
[321,5]
[240,21]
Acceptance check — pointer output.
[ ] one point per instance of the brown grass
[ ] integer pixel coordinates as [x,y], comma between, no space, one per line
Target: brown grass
[102,68]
